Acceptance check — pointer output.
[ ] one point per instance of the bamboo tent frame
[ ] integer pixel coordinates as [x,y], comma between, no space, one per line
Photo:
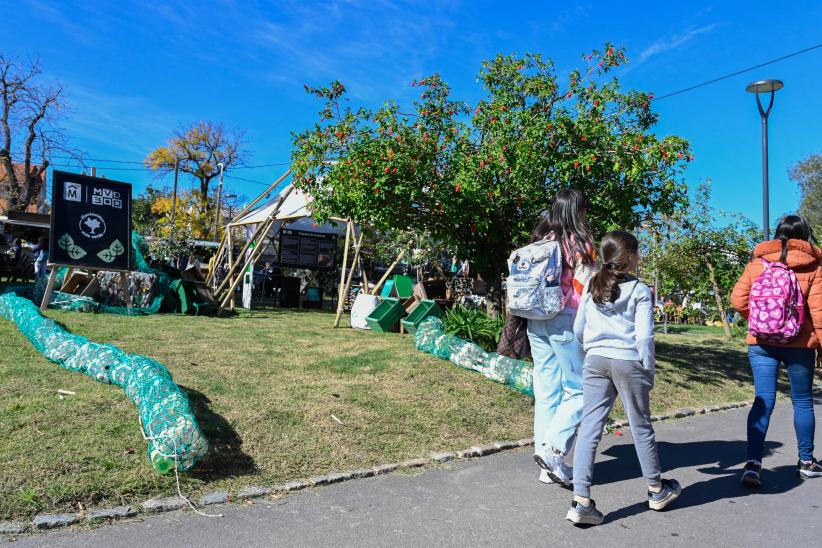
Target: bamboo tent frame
[289,206]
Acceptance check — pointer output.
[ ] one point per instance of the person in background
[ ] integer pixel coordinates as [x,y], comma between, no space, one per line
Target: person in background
[41,256]
[16,251]
[615,324]
[794,248]
[556,352]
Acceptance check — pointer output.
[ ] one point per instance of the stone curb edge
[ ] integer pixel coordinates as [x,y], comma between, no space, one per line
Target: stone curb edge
[42,522]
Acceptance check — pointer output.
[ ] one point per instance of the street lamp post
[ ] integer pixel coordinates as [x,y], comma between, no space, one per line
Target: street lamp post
[759,87]
[219,199]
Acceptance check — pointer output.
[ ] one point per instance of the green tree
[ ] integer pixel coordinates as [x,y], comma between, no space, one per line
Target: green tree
[808,175]
[475,178]
[694,255]
[144,219]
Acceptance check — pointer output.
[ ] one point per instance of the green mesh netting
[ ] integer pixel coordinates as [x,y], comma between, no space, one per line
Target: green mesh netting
[165,413]
[517,374]
[66,301]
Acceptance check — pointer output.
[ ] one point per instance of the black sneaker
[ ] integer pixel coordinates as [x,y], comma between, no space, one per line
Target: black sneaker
[584,515]
[810,469]
[751,474]
[670,492]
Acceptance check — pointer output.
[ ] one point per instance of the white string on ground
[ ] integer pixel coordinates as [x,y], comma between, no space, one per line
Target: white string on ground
[176,466]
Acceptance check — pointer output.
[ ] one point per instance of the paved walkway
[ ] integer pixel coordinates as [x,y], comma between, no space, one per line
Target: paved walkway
[496,501]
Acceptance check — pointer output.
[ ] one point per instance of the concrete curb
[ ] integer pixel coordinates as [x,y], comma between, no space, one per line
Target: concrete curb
[248,494]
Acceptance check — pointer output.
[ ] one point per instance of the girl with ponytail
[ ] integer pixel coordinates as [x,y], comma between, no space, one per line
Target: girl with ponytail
[794,249]
[615,324]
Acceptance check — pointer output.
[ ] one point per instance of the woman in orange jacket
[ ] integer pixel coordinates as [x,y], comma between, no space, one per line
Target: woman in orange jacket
[794,247]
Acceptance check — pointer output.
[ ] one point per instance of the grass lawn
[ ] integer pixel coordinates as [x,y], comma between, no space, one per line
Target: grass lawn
[264,385]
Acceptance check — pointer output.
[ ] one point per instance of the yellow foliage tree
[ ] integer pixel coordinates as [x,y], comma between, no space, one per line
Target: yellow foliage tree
[198,151]
[190,217]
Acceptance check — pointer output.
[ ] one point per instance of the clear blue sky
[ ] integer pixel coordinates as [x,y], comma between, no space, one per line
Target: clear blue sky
[136,70]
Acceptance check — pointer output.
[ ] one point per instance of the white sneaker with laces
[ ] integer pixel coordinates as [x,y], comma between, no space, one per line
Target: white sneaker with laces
[554,465]
[544,477]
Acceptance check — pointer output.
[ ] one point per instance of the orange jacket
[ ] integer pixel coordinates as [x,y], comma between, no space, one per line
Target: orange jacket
[804,260]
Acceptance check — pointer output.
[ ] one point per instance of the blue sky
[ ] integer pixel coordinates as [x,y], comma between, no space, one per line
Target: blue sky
[136,70]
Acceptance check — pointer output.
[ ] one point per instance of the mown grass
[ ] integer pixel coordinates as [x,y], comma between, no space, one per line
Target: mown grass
[264,385]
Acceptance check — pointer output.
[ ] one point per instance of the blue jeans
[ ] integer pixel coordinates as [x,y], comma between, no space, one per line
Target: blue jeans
[765,360]
[558,358]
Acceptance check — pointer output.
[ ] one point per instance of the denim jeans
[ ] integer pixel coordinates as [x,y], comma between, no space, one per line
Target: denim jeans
[558,358]
[765,360]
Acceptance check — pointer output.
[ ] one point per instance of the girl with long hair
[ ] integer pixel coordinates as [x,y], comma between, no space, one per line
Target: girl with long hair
[556,352]
[615,324]
[793,248]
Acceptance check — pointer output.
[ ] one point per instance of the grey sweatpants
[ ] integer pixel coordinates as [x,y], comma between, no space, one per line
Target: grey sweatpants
[602,379]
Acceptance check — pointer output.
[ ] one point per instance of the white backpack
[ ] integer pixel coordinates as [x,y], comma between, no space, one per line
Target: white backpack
[533,286]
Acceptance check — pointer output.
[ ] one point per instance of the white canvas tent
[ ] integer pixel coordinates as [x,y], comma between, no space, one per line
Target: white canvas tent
[295,211]
[290,207]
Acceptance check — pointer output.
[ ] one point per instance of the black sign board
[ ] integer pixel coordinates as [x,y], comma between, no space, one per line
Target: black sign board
[90,222]
[312,250]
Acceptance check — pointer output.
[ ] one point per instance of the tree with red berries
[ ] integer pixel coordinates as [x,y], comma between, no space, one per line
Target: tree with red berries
[475,178]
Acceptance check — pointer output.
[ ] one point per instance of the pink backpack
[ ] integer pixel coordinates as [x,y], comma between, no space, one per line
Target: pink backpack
[777,310]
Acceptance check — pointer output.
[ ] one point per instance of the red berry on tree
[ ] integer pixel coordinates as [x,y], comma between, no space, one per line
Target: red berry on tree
[459,186]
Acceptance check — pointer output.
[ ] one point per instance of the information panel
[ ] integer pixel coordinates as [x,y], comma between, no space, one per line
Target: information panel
[90,222]
[303,249]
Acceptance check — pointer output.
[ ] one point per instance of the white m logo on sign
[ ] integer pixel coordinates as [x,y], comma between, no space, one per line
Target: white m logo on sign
[73,192]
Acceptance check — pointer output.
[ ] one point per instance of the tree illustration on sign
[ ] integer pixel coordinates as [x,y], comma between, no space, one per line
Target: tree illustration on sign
[92,223]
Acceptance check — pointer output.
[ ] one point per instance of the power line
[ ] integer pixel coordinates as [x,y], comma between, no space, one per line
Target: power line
[737,73]
[109,161]
[104,168]
[246,180]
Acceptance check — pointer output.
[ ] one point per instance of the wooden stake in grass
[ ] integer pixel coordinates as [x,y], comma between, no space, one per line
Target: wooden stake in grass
[340,296]
[347,285]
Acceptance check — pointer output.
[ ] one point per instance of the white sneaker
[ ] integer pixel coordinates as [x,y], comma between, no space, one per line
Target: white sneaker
[554,465]
[544,477]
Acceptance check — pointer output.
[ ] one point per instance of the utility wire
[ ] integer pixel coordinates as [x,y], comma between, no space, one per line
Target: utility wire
[737,73]
[657,98]
[81,159]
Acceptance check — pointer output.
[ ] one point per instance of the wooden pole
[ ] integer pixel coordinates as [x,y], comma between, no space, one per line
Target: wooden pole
[347,285]
[49,288]
[340,298]
[217,258]
[273,185]
[388,272]
[268,223]
[245,210]
[253,257]
[230,246]
[364,276]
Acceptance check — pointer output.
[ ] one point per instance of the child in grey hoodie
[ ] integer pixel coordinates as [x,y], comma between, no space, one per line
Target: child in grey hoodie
[615,324]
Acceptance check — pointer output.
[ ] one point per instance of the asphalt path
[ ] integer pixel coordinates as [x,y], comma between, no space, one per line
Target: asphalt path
[496,501]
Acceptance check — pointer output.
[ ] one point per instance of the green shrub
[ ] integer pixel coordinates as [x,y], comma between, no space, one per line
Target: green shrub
[475,326]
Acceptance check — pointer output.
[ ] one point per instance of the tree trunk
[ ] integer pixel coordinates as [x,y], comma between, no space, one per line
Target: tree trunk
[717,295]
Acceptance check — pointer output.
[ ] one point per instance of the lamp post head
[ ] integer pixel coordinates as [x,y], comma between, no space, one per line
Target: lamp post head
[764,86]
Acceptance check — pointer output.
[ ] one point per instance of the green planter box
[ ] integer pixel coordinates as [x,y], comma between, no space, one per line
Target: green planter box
[403,286]
[385,316]
[423,311]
